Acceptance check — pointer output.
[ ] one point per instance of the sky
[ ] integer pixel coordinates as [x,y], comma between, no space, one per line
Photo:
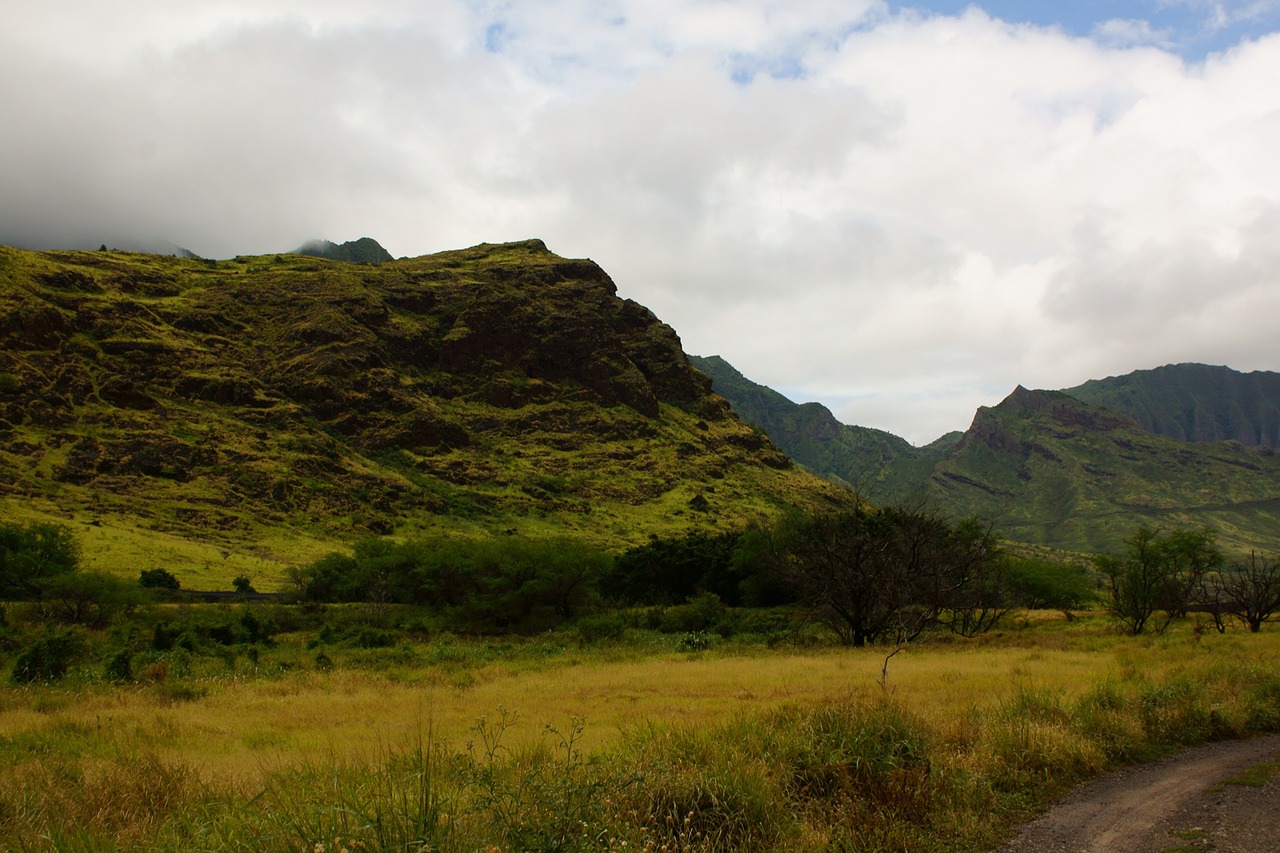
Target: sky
[900,210]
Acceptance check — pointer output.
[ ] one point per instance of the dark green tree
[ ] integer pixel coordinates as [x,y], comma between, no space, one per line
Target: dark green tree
[32,552]
[159,579]
[93,599]
[888,574]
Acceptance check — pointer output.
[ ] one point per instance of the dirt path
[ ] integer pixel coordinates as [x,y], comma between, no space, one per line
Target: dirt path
[1167,805]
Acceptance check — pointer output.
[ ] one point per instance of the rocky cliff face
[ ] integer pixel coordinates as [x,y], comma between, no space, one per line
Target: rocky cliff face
[471,389]
[1050,469]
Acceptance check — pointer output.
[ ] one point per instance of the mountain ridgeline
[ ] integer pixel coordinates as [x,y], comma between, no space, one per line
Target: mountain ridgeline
[872,462]
[283,405]
[1052,468]
[366,250]
[1194,402]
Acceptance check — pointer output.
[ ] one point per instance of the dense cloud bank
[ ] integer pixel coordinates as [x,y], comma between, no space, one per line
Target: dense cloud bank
[902,214]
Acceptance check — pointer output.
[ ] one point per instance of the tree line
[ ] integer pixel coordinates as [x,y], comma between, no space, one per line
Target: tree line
[1164,575]
[869,575]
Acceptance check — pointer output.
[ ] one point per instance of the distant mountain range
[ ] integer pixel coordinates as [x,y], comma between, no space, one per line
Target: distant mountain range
[1058,468]
[286,403]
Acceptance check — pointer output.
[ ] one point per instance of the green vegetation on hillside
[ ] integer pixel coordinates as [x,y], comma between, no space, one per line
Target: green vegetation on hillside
[879,466]
[1194,402]
[366,250]
[235,417]
[1050,470]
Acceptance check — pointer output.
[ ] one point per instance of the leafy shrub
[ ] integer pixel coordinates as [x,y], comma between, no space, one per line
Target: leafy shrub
[49,657]
[159,579]
[94,599]
[701,613]
[698,641]
[603,626]
[120,667]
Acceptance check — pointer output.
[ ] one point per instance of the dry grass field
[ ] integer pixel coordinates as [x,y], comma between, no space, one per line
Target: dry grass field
[547,743]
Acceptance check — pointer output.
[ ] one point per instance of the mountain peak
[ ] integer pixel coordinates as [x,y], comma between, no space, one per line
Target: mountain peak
[365,250]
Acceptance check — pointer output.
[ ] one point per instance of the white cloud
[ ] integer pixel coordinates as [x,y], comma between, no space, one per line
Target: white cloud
[902,215]
[1130,32]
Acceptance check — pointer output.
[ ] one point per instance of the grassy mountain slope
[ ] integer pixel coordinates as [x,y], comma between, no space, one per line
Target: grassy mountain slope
[1055,471]
[234,416]
[1047,468]
[1194,402]
[878,465]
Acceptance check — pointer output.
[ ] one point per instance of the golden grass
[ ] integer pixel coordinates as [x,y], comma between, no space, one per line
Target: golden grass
[237,726]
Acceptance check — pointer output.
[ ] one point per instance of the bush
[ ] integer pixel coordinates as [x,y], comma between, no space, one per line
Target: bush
[701,614]
[159,579]
[120,668]
[93,599]
[49,657]
[604,626]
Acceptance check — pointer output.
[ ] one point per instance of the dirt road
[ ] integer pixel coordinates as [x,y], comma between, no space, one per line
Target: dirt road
[1174,804]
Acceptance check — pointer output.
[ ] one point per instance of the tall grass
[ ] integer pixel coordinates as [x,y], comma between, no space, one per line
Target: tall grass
[947,756]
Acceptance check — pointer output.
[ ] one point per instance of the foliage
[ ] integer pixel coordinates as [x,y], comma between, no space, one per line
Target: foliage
[1041,584]
[1159,571]
[159,579]
[507,583]
[889,574]
[669,571]
[49,656]
[92,599]
[1249,591]
[32,552]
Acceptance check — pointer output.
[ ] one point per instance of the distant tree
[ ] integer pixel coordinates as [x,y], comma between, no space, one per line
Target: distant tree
[159,579]
[670,571]
[1135,581]
[1189,556]
[888,574]
[1249,591]
[1040,584]
[1158,572]
[243,585]
[92,599]
[32,552]
[479,585]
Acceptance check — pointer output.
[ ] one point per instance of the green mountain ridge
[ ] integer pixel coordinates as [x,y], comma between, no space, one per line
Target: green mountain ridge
[1194,402]
[181,412]
[365,250]
[1046,467]
[878,465]
[1054,471]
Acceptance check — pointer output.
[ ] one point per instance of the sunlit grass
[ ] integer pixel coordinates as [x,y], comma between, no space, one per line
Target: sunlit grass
[964,736]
